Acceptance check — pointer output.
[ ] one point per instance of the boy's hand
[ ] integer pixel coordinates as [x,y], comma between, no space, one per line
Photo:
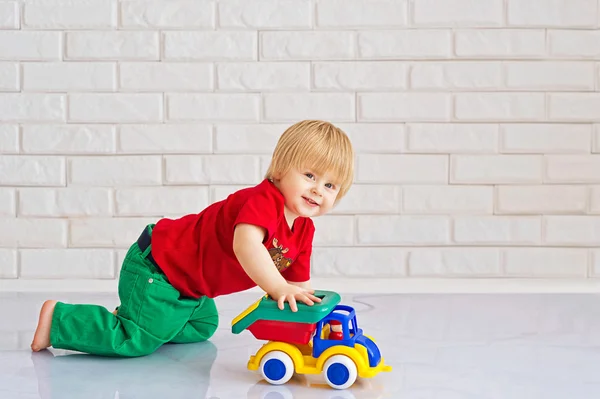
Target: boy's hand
[291,293]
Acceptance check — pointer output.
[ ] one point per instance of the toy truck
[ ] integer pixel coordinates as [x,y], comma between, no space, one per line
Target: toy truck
[309,341]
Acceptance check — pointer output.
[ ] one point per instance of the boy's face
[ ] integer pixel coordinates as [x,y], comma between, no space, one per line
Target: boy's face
[307,193]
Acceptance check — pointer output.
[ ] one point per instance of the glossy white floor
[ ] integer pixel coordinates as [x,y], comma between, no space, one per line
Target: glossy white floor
[441,346]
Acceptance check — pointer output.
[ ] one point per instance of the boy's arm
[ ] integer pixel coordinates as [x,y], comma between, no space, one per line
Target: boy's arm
[258,265]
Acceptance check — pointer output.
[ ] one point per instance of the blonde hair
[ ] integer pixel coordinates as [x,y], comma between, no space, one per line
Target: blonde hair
[318,145]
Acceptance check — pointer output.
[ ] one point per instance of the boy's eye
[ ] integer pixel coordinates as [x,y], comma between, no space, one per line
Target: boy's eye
[330,185]
[309,175]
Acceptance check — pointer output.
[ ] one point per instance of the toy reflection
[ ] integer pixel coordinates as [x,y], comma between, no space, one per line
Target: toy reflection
[314,387]
[174,370]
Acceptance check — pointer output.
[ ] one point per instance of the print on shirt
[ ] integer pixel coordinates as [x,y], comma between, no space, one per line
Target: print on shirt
[281,262]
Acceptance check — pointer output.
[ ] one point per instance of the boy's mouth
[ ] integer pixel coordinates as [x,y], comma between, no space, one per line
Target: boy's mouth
[310,202]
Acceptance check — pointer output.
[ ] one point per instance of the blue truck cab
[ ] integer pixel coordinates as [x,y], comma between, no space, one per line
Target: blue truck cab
[352,334]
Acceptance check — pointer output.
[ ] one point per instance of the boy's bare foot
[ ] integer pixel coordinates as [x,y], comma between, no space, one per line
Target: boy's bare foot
[41,338]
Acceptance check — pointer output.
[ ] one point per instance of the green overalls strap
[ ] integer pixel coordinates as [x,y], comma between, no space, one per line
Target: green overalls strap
[152,312]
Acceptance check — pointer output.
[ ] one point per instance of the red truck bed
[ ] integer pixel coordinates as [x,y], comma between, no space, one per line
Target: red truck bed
[285,331]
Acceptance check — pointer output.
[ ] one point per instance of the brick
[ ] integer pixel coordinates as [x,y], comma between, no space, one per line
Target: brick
[165,76]
[264,162]
[9,75]
[387,107]
[497,230]
[210,46]
[32,107]
[454,262]
[106,232]
[376,137]
[213,107]
[211,169]
[495,169]
[405,44]
[64,14]
[334,230]
[361,13]
[67,264]
[307,45]
[286,107]
[10,340]
[371,199]
[596,263]
[68,139]
[116,45]
[596,144]
[8,263]
[580,107]
[574,76]
[452,138]
[30,46]
[8,202]
[456,75]
[447,200]
[544,13]
[407,169]
[595,200]
[458,13]
[572,230]
[541,199]
[247,139]
[500,106]
[172,14]
[9,139]
[115,171]
[574,43]
[371,75]
[403,230]
[545,138]
[572,169]
[265,14]
[545,262]
[359,262]
[263,76]
[506,43]
[161,139]
[69,76]
[33,233]
[9,15]
[116,107]
[156,201]
[21,170]
[219,193]
[72,202]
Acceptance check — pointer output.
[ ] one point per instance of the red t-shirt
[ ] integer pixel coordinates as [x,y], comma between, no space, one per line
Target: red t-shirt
[196,251]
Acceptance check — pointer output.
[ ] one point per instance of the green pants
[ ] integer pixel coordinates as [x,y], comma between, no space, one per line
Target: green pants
[152,313]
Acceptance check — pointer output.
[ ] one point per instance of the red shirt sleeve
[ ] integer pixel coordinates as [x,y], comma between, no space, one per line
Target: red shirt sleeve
[300,269]
[260,210]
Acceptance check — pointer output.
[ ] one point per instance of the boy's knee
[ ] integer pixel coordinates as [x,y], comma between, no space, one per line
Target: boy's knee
[210,325]
[210,321]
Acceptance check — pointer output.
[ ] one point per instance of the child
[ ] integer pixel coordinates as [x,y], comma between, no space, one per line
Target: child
[257,236]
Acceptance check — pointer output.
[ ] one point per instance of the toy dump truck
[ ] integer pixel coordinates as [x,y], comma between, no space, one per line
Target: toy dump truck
[323,338]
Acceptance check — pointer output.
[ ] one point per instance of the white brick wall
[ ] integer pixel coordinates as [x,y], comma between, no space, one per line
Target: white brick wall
[476,126]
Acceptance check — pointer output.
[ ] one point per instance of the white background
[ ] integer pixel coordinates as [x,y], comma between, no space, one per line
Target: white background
[474,121]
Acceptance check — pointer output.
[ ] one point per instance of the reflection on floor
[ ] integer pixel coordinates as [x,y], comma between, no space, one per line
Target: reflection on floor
[441,347]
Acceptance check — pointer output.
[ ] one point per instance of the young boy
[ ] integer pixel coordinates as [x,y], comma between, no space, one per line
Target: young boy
[257,236]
